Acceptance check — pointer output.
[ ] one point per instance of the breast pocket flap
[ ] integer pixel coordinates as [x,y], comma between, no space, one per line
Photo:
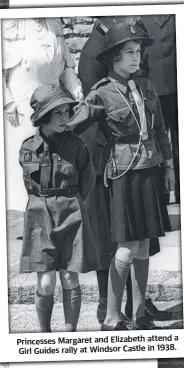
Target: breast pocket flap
[67,168]
[119,115]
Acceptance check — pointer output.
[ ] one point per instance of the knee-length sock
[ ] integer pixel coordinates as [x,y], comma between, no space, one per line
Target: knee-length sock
[44,307]
[139,273]
[118,274]
[71,306]
[129,301]
[102,278]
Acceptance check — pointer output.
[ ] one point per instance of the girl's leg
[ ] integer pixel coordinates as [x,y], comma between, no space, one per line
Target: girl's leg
[118,274]
[129,301]
[71,298]
[44,298]
[102,277]
[139,278]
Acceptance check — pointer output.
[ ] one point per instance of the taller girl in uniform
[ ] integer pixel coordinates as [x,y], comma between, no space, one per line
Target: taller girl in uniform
[129,114]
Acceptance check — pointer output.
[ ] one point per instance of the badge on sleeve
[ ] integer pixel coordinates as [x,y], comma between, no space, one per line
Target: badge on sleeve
[28,157]
[149,94]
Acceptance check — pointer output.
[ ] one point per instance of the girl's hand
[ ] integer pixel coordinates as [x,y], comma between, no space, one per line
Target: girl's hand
[169,179]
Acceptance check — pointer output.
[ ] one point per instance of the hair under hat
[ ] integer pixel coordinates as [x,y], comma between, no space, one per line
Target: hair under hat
[47,97]
[120,34]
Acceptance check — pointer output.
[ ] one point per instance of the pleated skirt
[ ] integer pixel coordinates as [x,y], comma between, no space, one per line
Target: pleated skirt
[137,207]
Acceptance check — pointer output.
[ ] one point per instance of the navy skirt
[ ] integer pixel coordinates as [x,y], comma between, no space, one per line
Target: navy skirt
[137,207]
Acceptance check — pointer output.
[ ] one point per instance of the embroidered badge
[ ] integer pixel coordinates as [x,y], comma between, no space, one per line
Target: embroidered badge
[28,157]
[149,94]
[132,30]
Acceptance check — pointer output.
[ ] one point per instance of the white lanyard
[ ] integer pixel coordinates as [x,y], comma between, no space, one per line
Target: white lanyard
[139,143]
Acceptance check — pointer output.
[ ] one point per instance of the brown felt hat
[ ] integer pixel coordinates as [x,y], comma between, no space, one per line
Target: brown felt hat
[46,98]
[120,34]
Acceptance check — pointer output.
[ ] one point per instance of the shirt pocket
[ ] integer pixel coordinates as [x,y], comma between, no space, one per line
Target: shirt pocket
[119,115]
[66,167]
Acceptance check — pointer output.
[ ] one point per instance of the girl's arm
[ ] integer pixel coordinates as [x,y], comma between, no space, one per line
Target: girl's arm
[31,168]
[162,134]
[88,112]
[165,147]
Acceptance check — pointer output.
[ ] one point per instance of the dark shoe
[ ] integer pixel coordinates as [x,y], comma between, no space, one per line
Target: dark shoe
[120,326]
[101,312]
[145,323]
[154,313]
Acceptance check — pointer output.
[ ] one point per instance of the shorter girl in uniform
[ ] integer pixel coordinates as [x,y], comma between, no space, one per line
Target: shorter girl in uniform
[128,111]
[58,176]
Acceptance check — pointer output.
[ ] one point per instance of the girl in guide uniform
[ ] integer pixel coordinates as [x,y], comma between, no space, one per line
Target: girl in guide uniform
[90,72]
[58,176]
[129,114]
[34,53]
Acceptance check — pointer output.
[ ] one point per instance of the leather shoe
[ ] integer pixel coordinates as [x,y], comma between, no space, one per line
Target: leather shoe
[120,326]
[154,313]
[145,323]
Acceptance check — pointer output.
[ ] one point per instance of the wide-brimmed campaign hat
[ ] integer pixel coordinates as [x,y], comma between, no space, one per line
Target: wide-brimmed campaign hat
[120,34]
[46,98]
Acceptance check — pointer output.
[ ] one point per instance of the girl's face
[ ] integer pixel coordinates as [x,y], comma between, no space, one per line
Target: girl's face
[129,60]
[59,118]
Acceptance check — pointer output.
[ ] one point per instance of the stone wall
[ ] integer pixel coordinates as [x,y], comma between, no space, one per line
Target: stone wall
[76,31]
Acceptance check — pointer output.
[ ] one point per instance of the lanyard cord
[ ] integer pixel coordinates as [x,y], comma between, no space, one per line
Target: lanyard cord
[127,103]
[139,143]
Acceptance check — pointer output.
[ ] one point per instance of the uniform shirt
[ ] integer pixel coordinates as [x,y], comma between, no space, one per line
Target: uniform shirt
[60,162]
[106,105]
[162,54]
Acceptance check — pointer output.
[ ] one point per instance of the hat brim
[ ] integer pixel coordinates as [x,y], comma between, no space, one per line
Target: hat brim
[146,42]
[51,105]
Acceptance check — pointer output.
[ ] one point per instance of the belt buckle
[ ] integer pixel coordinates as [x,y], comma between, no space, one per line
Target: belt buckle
[44,193]
[144,136]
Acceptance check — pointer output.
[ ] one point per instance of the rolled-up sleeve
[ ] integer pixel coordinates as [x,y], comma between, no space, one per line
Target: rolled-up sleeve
[31,169]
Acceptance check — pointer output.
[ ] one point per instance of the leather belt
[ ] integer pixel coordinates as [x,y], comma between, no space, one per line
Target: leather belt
[65,192]
[133,138]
